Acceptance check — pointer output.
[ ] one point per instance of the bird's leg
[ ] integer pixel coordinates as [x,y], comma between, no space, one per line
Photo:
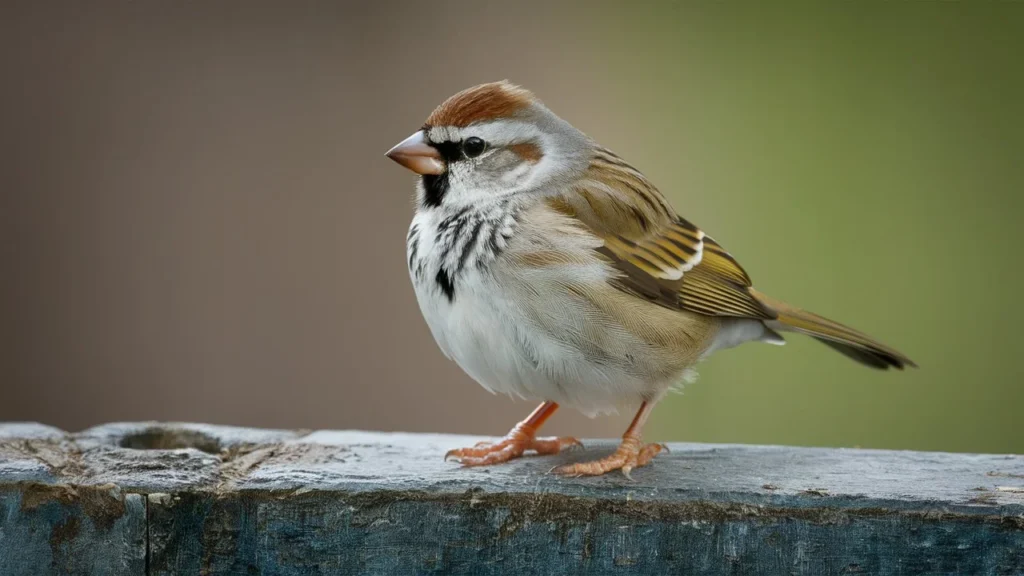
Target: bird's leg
[521,438]
[630,454]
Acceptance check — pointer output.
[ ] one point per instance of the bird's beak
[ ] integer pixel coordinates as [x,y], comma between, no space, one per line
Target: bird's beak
[415,154]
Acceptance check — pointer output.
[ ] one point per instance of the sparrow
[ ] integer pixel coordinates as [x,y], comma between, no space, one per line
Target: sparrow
[549,268]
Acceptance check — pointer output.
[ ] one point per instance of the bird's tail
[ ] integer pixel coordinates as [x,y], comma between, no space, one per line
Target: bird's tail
[845,340]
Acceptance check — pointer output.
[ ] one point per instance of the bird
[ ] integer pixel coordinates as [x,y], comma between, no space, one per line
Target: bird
[550,269]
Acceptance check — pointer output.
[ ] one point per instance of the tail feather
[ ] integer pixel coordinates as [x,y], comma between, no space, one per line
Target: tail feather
[845,340]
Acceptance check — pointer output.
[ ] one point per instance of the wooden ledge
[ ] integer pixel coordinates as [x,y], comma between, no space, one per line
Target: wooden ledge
[150,498]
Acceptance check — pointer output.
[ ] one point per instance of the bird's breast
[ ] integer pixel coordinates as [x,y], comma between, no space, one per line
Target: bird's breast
[447,247]
[450,256]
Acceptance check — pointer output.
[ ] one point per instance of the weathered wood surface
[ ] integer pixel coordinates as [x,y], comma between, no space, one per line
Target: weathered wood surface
[195,499]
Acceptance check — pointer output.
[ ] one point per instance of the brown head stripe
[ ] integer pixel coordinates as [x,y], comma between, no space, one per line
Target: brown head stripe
[483,102]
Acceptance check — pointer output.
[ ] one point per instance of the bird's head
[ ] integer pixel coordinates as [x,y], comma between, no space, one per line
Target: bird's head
[490,142]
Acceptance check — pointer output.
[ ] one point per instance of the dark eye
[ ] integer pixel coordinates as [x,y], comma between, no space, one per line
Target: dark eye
[473,147]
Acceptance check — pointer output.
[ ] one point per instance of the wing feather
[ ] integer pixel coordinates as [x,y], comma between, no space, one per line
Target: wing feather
[662,257]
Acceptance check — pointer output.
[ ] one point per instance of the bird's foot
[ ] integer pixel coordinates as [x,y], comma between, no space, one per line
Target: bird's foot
[629,455]
[511,446]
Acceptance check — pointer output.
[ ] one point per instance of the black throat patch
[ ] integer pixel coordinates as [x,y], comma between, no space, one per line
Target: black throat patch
[434,189]
[436,186]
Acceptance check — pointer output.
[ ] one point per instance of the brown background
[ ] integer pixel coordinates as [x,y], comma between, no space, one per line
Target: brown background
[199,222]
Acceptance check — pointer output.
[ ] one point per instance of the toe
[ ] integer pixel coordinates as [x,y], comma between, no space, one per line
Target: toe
[553,445]
[479,450]
[647,453]
[595,468]
[570,443]
[484,453]
[494,457]
[461,453]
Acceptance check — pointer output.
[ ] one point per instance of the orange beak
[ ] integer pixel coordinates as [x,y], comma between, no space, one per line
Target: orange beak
[415,154]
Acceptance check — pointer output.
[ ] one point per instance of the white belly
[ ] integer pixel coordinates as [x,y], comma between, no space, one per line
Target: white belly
[498,348]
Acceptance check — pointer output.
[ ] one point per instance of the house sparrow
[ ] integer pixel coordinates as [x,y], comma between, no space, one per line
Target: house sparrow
[549,268]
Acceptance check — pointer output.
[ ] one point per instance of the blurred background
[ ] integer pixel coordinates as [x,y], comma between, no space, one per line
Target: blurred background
[197,221]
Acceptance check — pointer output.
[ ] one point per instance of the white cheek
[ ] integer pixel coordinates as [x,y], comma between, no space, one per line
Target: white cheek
[465,188]
[517,174]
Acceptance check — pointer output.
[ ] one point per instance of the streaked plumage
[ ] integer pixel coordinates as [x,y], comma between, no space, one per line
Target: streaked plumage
[549,268]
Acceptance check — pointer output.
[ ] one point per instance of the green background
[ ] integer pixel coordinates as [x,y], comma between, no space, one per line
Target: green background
[864,161]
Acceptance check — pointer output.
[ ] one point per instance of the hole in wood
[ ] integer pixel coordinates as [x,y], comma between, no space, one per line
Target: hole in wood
[169,439]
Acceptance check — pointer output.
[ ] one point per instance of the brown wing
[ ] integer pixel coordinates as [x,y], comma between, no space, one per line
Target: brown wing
[662,257]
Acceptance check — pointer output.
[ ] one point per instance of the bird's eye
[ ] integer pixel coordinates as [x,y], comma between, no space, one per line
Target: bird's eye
[473,147]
